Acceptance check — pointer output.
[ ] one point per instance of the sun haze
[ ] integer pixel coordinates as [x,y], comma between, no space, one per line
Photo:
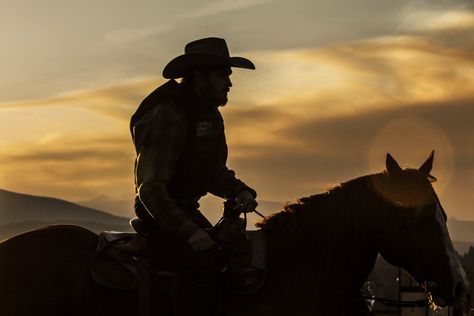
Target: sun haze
[337,85]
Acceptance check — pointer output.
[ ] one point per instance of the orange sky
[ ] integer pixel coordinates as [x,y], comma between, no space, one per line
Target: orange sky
[323,106]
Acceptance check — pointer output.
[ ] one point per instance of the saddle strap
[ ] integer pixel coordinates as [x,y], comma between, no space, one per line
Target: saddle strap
[144,302]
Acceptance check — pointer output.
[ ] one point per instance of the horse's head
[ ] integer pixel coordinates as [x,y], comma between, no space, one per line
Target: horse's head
[417,238]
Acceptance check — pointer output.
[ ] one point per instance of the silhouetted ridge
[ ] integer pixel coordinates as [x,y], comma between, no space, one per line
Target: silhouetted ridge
[18,207]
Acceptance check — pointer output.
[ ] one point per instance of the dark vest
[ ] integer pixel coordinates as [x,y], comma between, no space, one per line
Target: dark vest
[204,153]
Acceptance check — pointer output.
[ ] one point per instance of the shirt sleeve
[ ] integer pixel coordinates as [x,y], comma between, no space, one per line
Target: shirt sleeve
[226,185]
[161,139]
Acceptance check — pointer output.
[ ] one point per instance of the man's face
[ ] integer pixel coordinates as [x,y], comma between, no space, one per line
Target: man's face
[216,85]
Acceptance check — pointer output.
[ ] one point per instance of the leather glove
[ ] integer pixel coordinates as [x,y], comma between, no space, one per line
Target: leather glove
[245,202]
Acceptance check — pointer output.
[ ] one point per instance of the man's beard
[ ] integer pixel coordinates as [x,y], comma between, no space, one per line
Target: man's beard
[222,101]
[216,98]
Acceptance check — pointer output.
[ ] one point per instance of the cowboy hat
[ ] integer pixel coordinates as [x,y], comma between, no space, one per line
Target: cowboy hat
[205,52]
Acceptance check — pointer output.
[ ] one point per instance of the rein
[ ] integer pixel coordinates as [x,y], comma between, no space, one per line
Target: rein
[258,213]
[396,303]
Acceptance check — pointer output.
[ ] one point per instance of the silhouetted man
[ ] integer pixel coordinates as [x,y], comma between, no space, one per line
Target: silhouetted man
[181,149]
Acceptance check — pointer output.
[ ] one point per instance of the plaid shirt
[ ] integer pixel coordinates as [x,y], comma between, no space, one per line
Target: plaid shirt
[159,138]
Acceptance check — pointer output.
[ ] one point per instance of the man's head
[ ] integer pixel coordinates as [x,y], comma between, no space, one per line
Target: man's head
[205,53]
[211,84]
[206,67]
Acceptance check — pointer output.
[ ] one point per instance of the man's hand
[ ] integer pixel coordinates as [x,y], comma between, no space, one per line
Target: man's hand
[245,202]
[201,240]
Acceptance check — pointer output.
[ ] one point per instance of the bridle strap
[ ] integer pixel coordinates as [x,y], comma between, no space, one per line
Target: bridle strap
[259,214]
[396,303]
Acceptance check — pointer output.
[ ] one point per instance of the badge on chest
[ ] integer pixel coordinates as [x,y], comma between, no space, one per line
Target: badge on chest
[204,129]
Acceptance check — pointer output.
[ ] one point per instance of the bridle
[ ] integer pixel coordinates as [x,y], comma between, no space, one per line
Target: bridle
[427,302]
[385,301]
[398,303]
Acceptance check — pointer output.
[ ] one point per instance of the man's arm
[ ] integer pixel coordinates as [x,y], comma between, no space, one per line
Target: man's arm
[226,185]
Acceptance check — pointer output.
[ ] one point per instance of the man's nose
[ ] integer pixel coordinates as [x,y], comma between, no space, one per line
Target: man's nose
[229,82]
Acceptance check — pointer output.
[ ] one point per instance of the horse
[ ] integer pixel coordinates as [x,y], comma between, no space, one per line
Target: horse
[320,249]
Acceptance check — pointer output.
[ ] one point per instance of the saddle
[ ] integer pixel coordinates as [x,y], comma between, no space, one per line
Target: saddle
[124,261]
[121,259]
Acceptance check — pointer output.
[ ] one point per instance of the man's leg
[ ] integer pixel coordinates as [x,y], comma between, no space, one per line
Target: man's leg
[199,286]
[198,273]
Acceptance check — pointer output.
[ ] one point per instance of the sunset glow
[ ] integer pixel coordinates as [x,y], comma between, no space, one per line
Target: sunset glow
[318,109]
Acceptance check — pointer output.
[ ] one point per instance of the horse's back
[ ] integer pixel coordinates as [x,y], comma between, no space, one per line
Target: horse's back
[50,266]
[35,245]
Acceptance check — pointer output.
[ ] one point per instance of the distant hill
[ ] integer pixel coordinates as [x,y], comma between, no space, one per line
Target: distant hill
[22,212]
[462,247]
[17,207]
[120,206]
[461,230]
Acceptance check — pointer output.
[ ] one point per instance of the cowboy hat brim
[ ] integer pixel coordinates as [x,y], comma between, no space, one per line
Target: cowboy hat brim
[179,66]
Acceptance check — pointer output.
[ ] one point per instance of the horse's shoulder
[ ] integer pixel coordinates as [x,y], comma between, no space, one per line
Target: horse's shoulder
[62,233]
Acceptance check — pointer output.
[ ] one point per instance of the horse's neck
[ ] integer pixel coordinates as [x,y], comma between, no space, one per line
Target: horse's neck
[330,252]
[332,257]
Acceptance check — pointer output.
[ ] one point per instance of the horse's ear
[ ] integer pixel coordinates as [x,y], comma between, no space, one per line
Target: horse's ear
[392,166]
[427,165]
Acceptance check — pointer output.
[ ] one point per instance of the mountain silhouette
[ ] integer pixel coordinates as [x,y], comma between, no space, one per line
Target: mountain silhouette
[461,230]
[22,212]
[120,206]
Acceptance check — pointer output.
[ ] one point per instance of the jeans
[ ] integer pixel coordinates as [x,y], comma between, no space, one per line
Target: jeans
[198,272]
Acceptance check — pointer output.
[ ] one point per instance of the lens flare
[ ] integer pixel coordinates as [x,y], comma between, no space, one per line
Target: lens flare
[410,140]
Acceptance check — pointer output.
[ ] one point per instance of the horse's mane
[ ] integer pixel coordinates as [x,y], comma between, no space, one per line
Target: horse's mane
[337,199]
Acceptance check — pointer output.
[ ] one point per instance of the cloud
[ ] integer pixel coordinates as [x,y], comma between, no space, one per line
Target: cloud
[79,48]
[66,53]
[323,152]
[223,6]
[305,120]
[451,20]
[344,106]
[130,36]
[71,167]
[117,101]
[429,15]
